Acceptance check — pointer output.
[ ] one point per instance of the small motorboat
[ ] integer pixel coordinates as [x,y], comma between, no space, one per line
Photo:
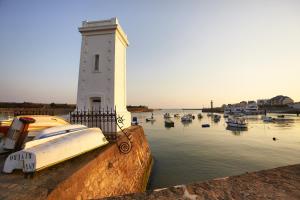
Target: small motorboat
[191,116]
[52,152]
[280,116]
[167,115]
[205,125]
[134,121]
[169,123]
[216,118]
[200,116]
[150,119]
[236,122]
[209,114]
[267,119]
[176,115]
[186,118]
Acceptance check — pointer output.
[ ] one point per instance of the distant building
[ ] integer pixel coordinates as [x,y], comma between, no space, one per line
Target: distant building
[295,105]
[242,104]
[281,100]
[263,102]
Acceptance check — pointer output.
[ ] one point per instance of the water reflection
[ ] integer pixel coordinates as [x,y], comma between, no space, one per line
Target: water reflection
[236,131]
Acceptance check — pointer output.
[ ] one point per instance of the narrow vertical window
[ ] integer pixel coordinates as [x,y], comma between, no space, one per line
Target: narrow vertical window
[96,67]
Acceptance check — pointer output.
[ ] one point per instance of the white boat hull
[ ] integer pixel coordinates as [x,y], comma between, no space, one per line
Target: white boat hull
[55,151]
[236,125]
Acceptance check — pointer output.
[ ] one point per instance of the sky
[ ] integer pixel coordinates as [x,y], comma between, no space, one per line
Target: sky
[182,53]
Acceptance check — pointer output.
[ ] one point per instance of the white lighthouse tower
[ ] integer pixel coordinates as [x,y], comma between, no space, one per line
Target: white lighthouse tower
[102,72]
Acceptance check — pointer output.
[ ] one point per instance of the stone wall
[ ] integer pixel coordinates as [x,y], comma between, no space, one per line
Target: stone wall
[100,173]
[281,183]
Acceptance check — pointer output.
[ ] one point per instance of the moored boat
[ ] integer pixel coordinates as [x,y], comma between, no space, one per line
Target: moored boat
[150,119]
[217,118]
[199,116]
[236,122]
[176,115]
[134,121]
[205,125]
[167,115]
[191,116]
[186,118]
[267,119]
[169,123]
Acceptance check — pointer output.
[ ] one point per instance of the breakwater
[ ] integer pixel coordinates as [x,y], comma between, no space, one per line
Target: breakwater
[279,183]
[100,173]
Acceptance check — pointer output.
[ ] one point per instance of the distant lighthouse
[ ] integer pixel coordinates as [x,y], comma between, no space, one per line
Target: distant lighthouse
[102,71]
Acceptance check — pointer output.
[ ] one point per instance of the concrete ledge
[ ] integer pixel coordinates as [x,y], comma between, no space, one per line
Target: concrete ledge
[279,183]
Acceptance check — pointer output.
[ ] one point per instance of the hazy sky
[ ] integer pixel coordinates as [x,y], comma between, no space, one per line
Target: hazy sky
[182,53]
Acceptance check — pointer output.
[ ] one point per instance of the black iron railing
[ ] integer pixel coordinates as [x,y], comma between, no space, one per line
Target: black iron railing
[105,119]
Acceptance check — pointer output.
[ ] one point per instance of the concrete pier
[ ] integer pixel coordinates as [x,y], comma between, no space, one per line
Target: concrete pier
[280,183]
[100,173]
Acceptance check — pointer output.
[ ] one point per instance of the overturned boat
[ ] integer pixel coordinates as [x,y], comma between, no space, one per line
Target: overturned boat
[53,133]
[55,150]
[41,122]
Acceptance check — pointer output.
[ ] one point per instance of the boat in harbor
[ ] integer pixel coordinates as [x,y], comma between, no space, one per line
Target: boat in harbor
[280,116]
[134,121]
[267,119]
[205,125]
[167,115]
[237,122]
[216,118]
[200,116]
[209,114]
[227,112]
[169,123]
[176,115]
[150,119]
[191,116]
[52,152]
[186,118]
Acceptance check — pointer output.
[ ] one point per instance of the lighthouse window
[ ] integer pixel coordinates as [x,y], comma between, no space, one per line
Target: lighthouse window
[96,67]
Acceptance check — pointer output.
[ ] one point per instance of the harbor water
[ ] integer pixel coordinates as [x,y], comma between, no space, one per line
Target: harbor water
[189,153]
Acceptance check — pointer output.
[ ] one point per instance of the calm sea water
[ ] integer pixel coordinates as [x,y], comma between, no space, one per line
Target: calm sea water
[189,153]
